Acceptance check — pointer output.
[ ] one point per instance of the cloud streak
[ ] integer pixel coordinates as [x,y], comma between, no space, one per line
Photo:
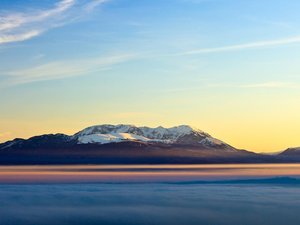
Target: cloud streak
[270,84]
[16,26]
[64,69]
[15,20]
[19,37]
[252,45]
[93,4]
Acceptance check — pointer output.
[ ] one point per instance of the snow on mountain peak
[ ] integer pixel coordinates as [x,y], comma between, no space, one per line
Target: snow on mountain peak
[177,136]
[116,133]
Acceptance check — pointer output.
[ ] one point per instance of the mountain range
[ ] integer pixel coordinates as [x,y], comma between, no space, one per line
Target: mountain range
[129,144]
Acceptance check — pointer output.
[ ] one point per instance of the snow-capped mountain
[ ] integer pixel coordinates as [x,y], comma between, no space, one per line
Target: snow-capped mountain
[129,144]
[183,134]
[125,144]
[108,134]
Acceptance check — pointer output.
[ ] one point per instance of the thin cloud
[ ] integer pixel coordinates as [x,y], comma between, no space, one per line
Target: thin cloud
[271,84]
[252,45]
[15,20]
[19,37]
[18,26]
[93,4]
[63,69]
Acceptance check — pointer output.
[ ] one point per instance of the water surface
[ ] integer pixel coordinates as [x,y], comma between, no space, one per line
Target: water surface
[154,195]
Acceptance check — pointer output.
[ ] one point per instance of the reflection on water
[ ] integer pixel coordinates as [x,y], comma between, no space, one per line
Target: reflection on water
[143,173]
[142,194]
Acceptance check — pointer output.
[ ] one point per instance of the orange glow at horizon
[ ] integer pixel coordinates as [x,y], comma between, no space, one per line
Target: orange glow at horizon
[142,173]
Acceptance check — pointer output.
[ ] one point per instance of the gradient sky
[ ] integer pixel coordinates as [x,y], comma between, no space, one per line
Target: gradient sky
[230,68]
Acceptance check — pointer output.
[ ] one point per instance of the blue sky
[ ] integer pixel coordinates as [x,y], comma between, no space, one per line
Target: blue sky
[228,67]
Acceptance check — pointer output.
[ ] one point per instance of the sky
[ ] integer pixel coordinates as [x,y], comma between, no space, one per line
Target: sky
[230,68]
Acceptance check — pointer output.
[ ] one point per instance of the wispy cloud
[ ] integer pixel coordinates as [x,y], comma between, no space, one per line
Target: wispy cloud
[15,20]
[270,84]
[63,69]
[273,84]
[252,45]
[267,22]
[20,26]
[7,38]
[93,4]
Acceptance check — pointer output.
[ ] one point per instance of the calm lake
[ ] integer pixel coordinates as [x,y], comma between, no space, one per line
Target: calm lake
[266,194]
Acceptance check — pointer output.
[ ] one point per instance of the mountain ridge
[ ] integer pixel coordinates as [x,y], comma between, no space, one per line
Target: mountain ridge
[105,134]
[182,134]
[126,144]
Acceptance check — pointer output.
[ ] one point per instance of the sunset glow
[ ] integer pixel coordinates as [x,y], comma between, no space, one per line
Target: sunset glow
[229,68]
[143,173]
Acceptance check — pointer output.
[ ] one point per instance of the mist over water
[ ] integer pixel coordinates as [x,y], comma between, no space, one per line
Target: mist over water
[244,200]
[154,203]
